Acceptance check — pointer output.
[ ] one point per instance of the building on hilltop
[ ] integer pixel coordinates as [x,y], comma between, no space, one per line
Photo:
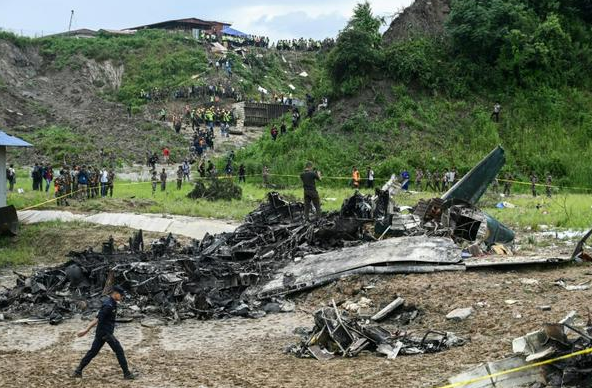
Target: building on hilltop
[191,25]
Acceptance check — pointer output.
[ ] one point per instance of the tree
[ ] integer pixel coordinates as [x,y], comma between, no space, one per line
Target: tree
[356,54]
[480,28]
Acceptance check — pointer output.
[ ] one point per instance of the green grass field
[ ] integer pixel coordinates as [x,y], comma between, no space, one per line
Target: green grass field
[567,210]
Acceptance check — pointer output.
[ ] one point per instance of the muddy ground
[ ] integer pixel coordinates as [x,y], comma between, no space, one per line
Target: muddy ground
[249,353]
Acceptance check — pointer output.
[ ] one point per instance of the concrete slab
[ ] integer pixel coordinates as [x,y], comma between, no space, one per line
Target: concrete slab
[193,227]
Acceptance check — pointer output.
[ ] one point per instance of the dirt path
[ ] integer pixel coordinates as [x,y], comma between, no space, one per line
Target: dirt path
[249,353]
[181,225]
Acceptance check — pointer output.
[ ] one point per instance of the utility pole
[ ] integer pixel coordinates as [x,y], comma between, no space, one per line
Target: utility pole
[71,17]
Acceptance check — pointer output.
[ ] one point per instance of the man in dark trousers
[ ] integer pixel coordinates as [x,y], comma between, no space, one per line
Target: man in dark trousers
[105,323]
[311,196]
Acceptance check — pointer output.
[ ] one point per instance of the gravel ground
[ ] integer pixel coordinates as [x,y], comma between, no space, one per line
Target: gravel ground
[249,353]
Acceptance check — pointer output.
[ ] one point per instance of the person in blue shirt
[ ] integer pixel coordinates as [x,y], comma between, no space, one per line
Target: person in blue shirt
[405,177]
[83,183]
[105,323]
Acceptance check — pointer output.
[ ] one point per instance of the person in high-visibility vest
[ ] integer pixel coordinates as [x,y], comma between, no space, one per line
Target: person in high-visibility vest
[356,178]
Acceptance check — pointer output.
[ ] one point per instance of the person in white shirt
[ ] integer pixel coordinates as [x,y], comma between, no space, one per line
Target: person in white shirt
[104,180]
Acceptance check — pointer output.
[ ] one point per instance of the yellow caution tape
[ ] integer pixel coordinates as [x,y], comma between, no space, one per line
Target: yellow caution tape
[297,176]
[519,369]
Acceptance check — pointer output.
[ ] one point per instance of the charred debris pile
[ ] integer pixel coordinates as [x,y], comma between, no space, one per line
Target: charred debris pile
[273,253]
[347,333]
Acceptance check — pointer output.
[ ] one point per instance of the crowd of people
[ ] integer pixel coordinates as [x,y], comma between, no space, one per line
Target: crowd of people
[235,40]
[78,181]
[246,40]
[303,44]
[210,92]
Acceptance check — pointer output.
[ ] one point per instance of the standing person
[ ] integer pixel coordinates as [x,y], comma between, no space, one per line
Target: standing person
[370,178]
[436,178]
[429,181]
[355,178]
[154,181]
[548,183]
[533,181]
[283,129]
[496,112]
[179,177]
[495,185]
[453,176]
[34,174]
[163,179]
[186,170]
[165,155]
[110,182]
[104,182]
[274,132]
[418,179]
[311,196]
[445,178]
[48,176]
[406,178]
[82,183]
[265,175]
[508,178]
[242,173]
[11,177]
[105,323]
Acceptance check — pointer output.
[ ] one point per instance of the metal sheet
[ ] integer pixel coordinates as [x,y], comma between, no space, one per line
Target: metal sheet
[494,261]
[12,141]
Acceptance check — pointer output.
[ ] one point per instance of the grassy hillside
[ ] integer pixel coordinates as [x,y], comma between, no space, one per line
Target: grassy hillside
[426,101]
[154,58]
[548,132]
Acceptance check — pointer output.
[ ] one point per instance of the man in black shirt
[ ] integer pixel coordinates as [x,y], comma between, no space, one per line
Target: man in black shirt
[105,323]
[311,196]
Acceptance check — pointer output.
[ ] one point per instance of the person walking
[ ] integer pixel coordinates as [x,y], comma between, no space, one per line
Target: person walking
[311,196]
[104,333]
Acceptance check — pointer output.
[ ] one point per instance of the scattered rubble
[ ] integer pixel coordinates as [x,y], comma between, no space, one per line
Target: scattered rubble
[339,333]
[572,287]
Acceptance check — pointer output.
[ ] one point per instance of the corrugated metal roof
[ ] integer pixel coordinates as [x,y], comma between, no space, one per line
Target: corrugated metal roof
[12,141]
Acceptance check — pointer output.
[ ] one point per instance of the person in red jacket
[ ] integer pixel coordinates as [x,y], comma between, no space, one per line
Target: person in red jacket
[165,155]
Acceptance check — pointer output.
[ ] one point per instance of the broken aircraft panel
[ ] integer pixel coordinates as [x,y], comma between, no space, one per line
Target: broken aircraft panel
[473,185]
[314,270]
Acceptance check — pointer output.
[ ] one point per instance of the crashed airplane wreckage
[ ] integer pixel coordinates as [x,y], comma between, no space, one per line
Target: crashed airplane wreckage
[274,253]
